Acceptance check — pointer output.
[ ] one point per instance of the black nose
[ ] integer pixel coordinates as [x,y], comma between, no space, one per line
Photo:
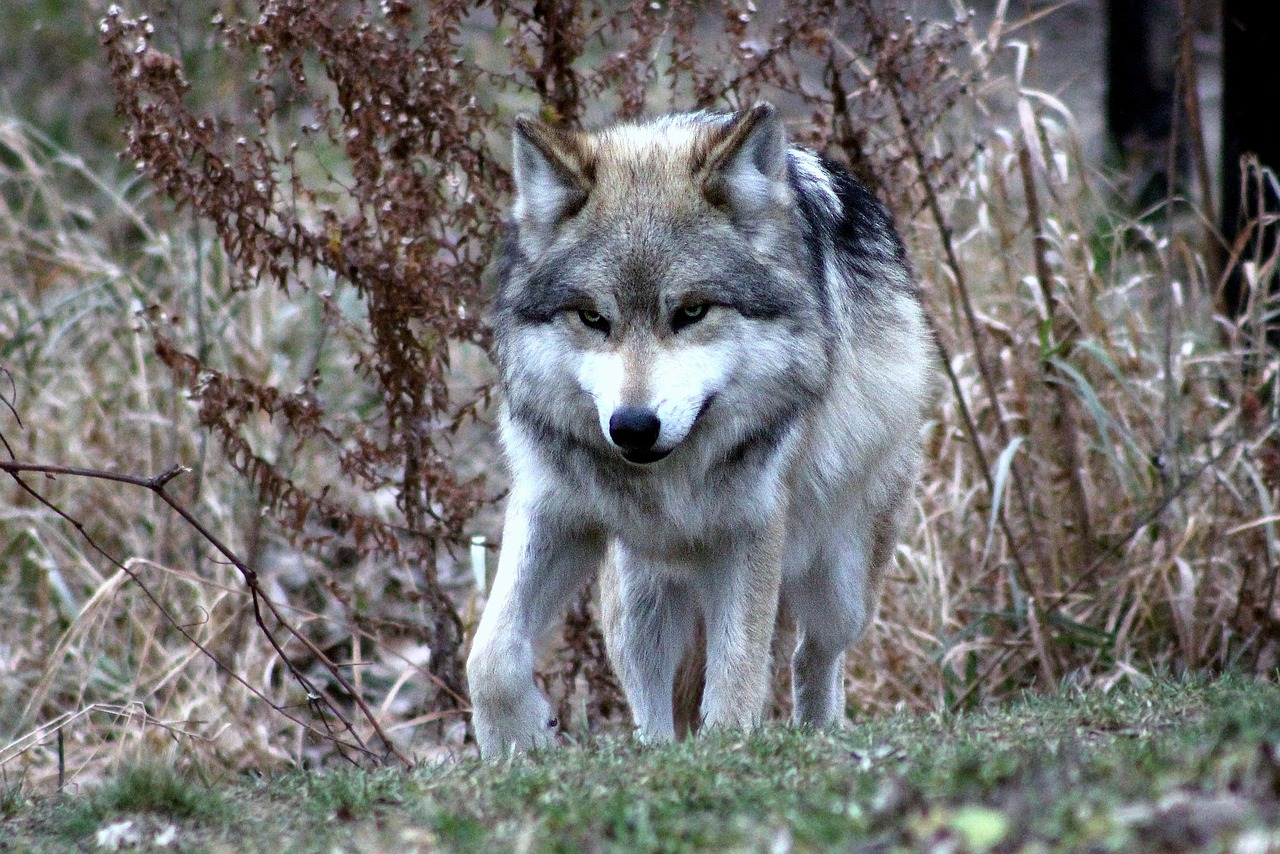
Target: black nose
[634,429]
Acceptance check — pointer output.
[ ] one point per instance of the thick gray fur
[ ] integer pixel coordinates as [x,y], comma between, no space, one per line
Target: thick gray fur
[790,409]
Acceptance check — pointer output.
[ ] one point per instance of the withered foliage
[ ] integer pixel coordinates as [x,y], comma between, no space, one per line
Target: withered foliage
[406,106]
[409,233]
[1101,483]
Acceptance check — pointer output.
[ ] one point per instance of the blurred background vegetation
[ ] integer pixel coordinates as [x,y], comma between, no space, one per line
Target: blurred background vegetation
[1103,465]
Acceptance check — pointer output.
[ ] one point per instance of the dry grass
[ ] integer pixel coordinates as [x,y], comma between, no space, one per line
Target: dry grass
[1128,443]
[84,650]
[1114,514]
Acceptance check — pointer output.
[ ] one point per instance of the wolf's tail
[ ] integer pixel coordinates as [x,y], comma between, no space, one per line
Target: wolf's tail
[691,678]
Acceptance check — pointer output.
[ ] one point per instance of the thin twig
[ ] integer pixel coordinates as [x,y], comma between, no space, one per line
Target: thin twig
[157,485]
[9,403]
[1063,416]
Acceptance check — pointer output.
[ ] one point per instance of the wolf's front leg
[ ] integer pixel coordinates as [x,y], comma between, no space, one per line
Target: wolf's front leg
[740,603]
[542,565]
[649,619]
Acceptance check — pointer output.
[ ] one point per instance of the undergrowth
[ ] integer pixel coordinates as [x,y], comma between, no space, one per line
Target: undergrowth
[1171,766]
[283,290]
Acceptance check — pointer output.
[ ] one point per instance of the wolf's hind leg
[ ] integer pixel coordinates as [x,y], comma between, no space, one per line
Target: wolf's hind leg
[540,568]
[833,600]
[817,673]
[649,620]
[830,602]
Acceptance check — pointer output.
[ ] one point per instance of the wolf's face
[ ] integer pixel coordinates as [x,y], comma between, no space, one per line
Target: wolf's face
[652,374]
[654,281]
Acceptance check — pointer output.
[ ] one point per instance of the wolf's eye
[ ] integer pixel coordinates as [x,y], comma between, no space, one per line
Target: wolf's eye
[687,316]
[594,320]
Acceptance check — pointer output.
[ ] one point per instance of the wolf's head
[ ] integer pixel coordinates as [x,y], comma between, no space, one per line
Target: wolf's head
[655,279]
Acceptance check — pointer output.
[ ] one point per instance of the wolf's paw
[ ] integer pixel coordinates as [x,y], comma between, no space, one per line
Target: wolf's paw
[515,727]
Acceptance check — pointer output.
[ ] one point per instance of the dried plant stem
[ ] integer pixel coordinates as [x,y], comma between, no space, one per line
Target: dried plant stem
[979,354]
[1063,420]
[984,466]
[1015,644]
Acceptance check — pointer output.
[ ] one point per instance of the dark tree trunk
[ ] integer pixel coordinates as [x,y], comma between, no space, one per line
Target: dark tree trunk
[1139,99]
[1141,48]
[1250,93]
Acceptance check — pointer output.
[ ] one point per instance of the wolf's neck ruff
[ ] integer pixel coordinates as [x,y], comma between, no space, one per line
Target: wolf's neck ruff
[714,365]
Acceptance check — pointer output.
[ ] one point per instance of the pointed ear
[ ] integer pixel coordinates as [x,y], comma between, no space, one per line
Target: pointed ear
[552,174]
[746,169]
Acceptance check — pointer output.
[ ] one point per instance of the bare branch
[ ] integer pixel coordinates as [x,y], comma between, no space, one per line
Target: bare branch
[315,697]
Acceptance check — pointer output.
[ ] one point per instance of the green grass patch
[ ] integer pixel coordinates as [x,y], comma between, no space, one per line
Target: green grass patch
[1174,766]
[150,794]
[156,789]
[12,799]
[348,794]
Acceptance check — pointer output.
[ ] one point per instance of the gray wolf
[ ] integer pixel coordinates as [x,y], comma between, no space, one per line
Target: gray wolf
[714,368]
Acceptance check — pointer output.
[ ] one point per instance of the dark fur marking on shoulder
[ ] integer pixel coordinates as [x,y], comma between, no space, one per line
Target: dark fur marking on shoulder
[866,227]
[862,236]
[812,219]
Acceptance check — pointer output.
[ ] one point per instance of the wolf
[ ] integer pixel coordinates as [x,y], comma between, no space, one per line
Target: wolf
[714,369]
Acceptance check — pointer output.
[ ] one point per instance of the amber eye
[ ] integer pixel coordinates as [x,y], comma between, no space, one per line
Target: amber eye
[687,316]
[594,320]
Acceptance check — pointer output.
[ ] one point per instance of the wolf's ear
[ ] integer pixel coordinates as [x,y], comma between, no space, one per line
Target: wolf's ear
[746,169]
[552,175]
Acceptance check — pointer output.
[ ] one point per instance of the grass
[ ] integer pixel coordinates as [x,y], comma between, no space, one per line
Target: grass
[1140,533]
[1173,766]
[150,788]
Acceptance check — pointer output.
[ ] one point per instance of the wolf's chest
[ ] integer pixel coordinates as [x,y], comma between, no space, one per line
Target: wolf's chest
[677,514]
